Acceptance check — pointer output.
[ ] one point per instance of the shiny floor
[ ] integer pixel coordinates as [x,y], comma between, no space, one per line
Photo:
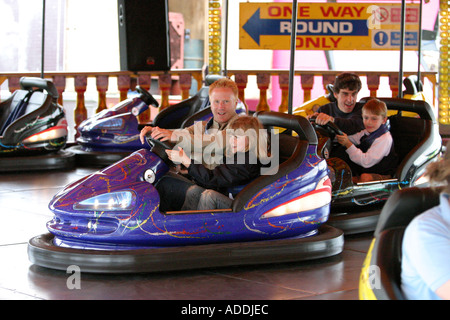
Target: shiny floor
[23,209]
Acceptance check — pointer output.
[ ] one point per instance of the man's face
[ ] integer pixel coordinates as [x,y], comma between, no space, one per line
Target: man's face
[223,104]
[346,100]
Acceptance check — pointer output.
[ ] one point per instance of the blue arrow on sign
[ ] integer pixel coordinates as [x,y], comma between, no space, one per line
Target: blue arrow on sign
[255,27]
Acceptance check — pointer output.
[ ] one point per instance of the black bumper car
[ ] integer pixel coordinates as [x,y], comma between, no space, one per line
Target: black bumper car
[381,271]
[355,207]
[33,129]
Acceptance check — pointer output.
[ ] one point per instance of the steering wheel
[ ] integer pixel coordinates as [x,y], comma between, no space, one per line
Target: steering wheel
[326,134]
[330,127]
[159,148]
[147,97]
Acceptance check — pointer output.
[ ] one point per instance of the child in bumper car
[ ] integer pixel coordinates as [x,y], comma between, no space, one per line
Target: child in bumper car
[241,164]
[370,153]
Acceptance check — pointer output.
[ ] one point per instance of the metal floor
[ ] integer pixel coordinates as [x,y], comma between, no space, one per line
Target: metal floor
[23,209]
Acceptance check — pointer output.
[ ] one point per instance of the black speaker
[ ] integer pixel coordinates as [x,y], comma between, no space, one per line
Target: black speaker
[144,35]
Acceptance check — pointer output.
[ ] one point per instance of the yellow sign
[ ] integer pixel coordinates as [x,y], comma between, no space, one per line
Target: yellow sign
[327,26]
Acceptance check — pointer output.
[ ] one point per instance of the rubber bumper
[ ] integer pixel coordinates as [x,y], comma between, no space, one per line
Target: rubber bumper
[60,160]
[355,223]
[329,241]
[98,159]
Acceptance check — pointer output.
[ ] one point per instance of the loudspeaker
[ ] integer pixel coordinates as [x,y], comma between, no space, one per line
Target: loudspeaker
[144,35]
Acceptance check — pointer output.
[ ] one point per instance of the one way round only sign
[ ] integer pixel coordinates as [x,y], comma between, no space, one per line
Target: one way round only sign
[327,26]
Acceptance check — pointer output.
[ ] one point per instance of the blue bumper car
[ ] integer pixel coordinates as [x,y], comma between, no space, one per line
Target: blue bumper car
[33,129]
[112,134]
[110,221]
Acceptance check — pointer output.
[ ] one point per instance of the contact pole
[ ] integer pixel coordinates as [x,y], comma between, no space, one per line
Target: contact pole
[402,49]
[225,54]
[43,39]
[292,59]
[419,53]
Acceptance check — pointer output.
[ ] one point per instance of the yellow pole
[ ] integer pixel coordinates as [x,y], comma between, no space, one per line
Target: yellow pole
[444,79]
[215,37]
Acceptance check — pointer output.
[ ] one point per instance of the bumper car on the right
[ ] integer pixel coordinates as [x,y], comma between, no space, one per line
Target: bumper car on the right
[355,207]
[380,274]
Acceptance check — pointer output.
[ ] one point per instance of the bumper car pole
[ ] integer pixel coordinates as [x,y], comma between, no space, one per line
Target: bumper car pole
[402,49]
[43,39]
[225,51]
[292,57]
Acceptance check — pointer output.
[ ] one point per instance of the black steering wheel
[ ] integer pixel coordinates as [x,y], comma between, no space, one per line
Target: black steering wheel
[147,97]
[159,148]
[331,128]
[326,134]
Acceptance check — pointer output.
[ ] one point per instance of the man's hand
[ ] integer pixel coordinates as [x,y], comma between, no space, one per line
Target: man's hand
[322,118]
[156,133]
[162,134]
[143,133]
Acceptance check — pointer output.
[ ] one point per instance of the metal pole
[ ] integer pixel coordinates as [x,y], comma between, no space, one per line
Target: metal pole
[292,59]
[43,39]
[402,48]
[420,46]
[225,54]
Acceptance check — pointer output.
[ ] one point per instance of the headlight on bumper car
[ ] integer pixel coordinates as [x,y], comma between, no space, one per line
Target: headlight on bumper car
[115,201]
[49,134]
[317,198]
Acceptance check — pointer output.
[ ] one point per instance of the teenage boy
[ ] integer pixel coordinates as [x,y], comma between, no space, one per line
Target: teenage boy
[344,112]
